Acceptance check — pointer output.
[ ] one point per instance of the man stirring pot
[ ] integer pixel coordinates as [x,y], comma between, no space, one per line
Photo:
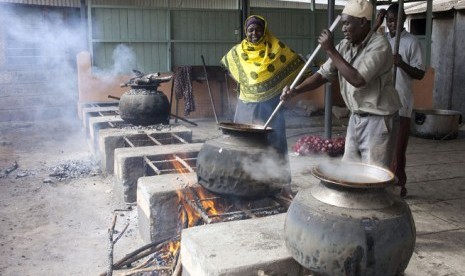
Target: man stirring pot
[362,62]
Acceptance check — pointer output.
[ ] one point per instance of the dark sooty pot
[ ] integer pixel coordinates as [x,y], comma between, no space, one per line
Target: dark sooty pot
[350,224]
[242,163]
[141,106]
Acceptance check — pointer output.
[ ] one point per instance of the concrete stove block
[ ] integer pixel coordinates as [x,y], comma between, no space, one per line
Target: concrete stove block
[238,248]
[130,165]
[98,123]
[89,112]
[82,105]
[112,138]
[157,205]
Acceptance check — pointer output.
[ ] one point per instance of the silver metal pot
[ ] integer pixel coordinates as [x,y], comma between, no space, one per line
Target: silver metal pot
[349,224]
[435,123]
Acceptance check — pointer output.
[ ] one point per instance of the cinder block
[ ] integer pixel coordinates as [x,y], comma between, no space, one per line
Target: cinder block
[130,165]
[93,111]
[157,205]
[97,123]
[238,248]
[112,138]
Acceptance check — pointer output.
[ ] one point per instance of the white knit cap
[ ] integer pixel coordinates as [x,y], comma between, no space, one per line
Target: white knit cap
[358,8]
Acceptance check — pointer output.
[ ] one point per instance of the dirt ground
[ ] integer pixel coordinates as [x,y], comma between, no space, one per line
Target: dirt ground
[55,205]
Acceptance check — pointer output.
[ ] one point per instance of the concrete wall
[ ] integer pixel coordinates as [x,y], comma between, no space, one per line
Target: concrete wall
[448,61]
[458,88]
[423,90]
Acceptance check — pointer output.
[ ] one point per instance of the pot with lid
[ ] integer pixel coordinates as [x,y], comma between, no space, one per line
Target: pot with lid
[143,104]
[350,224]
[242,163]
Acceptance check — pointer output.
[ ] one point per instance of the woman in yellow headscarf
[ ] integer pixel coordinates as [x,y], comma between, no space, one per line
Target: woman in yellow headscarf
[262,65]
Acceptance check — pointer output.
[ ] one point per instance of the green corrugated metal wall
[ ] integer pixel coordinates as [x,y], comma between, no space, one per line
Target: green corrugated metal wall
[162,38]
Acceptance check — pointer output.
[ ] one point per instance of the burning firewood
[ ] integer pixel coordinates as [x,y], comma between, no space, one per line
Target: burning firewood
[141,79]
[140,253]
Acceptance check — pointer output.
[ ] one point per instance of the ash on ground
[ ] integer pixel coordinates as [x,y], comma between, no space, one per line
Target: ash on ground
[75,169]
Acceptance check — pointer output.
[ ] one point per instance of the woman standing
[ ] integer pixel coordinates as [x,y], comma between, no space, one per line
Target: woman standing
[262,65]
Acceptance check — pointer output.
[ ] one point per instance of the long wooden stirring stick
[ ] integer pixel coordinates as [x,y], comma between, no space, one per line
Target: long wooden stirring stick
[299,76]
[399,28]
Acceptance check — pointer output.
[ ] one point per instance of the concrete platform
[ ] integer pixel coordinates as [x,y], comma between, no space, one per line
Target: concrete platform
[113,138]
[130,165]
[238,248]
[157,204]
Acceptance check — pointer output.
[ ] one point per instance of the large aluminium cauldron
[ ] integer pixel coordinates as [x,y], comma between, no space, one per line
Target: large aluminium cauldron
[350,224]
[435,123]
[143,104]
[242,163]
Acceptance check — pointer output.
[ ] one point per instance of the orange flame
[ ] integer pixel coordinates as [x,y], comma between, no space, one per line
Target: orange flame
[208,204]
[192,216]
[173,247]
[203,195]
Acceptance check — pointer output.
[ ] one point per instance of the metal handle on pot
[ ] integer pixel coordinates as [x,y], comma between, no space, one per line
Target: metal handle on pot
[420,118]
[302,71]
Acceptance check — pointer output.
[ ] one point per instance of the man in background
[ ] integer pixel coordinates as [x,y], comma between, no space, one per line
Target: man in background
[409,63]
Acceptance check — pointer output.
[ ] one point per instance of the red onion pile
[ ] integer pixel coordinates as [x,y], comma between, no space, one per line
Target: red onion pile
[313,144]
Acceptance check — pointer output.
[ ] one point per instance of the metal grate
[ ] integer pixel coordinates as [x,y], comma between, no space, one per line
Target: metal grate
[172,163]
[213,208]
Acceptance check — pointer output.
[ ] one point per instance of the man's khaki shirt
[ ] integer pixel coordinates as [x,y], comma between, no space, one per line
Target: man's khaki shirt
[374,64]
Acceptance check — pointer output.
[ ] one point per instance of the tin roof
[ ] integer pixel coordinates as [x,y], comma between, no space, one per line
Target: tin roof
[192,3]
[58,3]
[438,6]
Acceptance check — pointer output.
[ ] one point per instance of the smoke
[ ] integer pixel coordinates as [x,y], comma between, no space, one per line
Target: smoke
[124,60]
[265,166]
[38,66]
[39,57]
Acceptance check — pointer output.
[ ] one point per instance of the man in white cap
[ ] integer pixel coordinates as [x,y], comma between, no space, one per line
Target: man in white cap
[362,62]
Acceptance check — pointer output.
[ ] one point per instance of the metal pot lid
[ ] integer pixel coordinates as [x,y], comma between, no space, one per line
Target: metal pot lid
[354,175]
[244,127]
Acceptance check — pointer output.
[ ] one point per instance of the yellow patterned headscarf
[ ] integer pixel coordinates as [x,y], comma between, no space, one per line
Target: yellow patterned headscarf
[262,69]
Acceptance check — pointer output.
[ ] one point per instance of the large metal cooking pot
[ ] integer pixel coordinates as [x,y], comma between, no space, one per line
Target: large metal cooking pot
[349,224]
[435,123]
[144,106]
[242,163]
